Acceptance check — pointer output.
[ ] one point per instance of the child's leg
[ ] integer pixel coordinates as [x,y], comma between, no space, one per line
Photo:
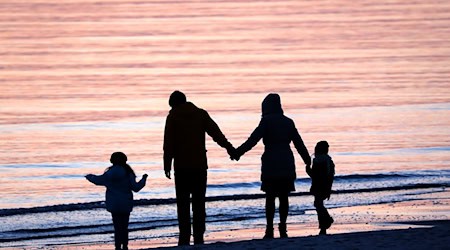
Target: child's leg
[117,240]
[125,222]
[120,221]
[329,220]
[321,211]
[324,217]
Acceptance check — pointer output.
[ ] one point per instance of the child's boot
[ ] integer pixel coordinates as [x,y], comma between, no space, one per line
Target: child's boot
[329,222]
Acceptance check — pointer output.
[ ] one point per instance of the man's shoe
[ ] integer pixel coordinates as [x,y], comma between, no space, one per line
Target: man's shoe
[198,240]
[184,241]
[268,234]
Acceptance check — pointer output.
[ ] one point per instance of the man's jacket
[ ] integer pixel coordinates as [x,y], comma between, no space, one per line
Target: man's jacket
[184,137]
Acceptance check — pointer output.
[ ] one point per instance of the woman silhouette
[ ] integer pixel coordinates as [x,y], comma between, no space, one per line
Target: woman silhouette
[278,164]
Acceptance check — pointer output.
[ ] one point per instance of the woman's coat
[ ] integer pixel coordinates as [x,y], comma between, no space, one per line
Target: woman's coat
[277,132]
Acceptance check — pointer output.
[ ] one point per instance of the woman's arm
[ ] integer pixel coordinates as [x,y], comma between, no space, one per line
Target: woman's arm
[302,150]
[300,146]
[137,186]
[254,138]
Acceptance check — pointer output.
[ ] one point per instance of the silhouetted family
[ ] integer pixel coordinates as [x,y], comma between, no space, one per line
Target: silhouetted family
[184,144]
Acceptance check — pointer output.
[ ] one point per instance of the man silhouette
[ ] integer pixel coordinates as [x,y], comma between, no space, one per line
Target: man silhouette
[184,142]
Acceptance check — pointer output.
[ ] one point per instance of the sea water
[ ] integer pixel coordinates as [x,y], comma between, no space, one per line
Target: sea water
[82,79]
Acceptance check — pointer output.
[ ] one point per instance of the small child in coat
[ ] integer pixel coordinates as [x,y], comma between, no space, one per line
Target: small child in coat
[120,181]
[322,175]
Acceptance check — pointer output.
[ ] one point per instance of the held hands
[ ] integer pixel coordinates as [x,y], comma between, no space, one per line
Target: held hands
[233,153]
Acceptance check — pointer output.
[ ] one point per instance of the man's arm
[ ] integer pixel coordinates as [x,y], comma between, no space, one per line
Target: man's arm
[168,146]
[213,130]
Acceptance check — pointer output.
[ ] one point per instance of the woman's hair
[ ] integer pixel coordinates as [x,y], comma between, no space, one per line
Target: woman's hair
[119,158]
[271,105]
[321,148]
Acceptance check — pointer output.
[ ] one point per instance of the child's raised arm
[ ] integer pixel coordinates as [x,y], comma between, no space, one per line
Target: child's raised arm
[99,180]
[137,186]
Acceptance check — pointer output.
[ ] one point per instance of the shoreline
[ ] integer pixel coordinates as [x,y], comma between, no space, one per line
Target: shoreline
[417,223]
[164,201]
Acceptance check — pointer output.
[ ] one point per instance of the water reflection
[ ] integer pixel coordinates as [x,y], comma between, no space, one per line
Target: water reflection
[80,80]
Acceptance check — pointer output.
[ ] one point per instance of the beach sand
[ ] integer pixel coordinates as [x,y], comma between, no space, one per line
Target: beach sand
[416,224]
[420,235]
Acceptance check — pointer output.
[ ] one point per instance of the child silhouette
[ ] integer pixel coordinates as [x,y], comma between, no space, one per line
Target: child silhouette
[322,175]
[120,181]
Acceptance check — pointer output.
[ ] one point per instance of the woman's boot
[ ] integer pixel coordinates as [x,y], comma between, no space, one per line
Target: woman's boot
[283,230]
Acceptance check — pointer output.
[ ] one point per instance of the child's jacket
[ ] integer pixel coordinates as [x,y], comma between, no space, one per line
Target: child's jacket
[322,175]
[119,186]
